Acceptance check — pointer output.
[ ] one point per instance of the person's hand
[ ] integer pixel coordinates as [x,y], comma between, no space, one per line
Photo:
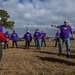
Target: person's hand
[54,25]
[73,36]
[7,39]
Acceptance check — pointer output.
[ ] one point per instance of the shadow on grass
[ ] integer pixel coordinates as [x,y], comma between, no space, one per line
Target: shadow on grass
[52,53]
[48,52]
[61,61]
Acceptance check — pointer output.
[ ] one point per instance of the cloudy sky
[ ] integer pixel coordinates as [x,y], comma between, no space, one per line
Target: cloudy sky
[39,13]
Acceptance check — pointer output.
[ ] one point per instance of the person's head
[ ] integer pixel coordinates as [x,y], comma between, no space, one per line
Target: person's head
[28,31]
[58,31]
[42,31]
[13,31]
[37,30]
[6,32]
[66,22]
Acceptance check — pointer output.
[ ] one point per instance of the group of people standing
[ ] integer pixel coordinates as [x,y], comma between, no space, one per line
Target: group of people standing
[14,37]
[28,38]
[63,35]
[37,36]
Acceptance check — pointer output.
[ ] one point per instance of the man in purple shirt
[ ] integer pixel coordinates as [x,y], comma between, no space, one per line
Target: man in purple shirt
[6,42]
[65,36]
[43,38]
[57,37]
[28,39]
[14,37]
[37,36]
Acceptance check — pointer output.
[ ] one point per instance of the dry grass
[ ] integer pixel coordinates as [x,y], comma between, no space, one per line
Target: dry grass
[34,62]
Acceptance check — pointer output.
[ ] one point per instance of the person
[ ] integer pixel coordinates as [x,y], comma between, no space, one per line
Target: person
[37,36]
[6,43]
[28,39]
[64,36]
[34,38]
[43,38]
[57,37]
[2,38]
[14,37]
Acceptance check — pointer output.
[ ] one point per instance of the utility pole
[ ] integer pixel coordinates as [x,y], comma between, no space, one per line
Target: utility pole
[26,28]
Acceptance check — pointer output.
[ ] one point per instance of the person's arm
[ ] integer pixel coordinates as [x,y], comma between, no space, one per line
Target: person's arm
[55,25]
[30,38]
[72,33]
[34,36]
[2,37]
[40,35]
[45,35]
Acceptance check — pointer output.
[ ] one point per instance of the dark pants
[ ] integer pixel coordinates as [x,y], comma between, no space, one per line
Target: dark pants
[43,41]
[35,42]
[6,45]
[0,51]
[56,43]
[27,44]
[14,42]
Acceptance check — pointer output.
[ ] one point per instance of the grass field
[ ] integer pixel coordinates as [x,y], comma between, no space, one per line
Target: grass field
[34,62]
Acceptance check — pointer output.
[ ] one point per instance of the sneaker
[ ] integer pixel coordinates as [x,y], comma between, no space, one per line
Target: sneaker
[36,48]
[68,56]
[59,54]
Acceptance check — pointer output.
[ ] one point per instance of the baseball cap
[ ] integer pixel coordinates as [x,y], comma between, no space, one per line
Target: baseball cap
[28,31]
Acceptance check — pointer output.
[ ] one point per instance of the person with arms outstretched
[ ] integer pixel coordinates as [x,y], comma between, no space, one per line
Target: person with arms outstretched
[64,36]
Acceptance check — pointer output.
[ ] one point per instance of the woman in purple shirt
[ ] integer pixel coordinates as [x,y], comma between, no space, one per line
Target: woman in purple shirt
[65,36]
[6,43]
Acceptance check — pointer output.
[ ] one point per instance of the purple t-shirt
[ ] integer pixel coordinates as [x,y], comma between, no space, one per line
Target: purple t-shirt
[28,37]
[37,35]
[57,36]
[6,35]
[43,35]
[14,36]
[65,31]
[1,29]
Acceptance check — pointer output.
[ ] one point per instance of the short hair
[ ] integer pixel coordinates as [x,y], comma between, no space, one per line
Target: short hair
[66,21]
[13,30]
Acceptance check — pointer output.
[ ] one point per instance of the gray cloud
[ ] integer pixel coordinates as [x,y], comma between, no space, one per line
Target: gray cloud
[39,12]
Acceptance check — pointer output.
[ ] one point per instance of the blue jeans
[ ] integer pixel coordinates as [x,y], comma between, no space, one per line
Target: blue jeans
[43,41]
[67,42]
[38,43]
